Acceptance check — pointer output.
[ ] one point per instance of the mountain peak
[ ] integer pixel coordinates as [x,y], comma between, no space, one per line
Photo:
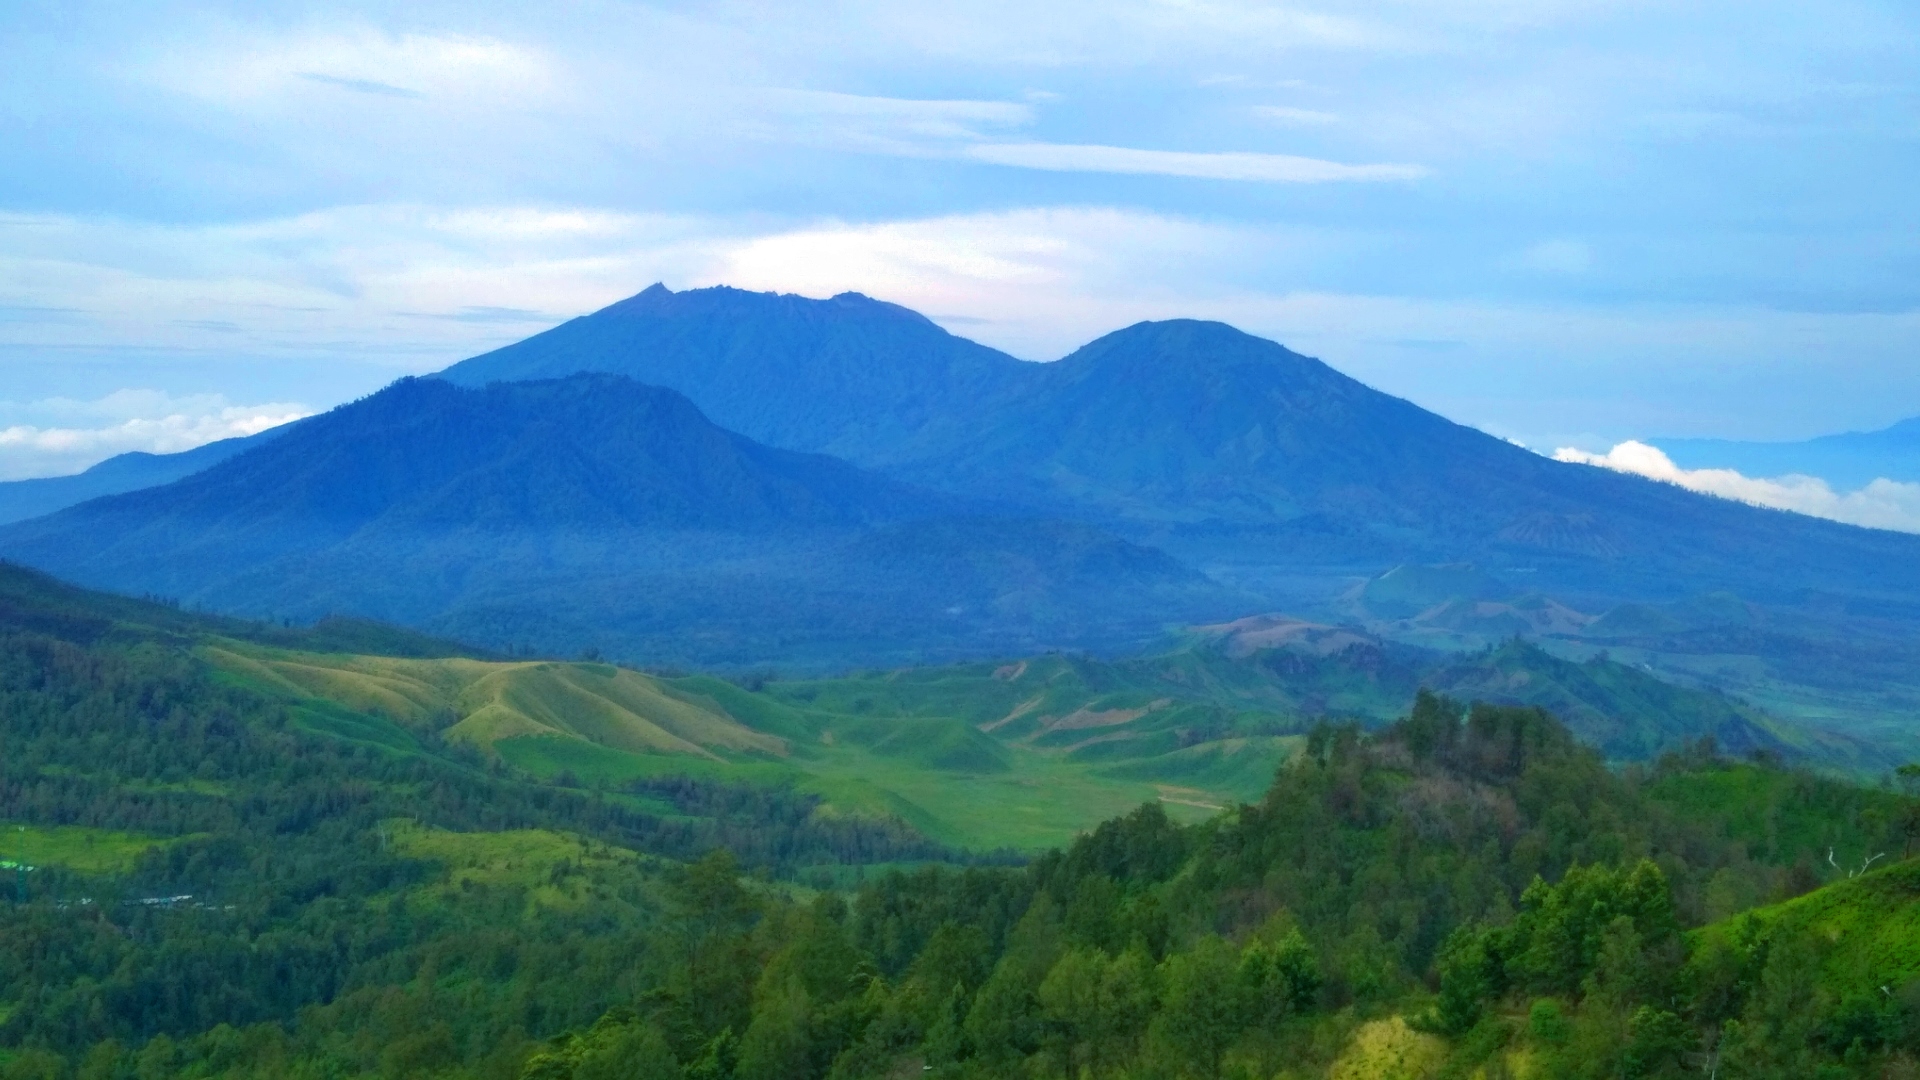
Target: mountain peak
[727,302]
[841,375]
[1192,342]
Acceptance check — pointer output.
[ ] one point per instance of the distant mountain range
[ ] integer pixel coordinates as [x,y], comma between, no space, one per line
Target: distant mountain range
[723,476]
[594,511]
[23,499]
[1848,461]
[1233,453]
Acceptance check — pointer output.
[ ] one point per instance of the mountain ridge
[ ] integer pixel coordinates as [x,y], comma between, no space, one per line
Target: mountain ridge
[1847,460]
[131,471]
[597,512]
[1231,452]
[850,376]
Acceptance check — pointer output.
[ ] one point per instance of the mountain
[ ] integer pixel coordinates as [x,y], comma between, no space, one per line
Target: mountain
[596,512]
[1847,461]
[849,376]
[987,500]
[23,499]
[1268,468]
[1259,464]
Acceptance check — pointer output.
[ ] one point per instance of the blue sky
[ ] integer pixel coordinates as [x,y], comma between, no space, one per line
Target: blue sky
[1570,222]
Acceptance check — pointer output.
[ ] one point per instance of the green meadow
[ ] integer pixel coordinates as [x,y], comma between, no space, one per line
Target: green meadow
[73,847]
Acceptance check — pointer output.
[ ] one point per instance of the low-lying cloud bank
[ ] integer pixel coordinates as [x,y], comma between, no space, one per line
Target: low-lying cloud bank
[65,436]
[1883,504]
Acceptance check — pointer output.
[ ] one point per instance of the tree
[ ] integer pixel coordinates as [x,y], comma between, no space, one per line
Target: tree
[1908,776]
[778,1044]
[635,1051]
[1202,1009]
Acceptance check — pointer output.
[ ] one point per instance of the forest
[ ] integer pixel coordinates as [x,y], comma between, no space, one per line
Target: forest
[206,881]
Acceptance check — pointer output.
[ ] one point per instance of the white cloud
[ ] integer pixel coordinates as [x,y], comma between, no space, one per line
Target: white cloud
[907,127]
[303,71]
[944,118]
[387,289]
[1231,165]
[1287,114]
[73,435]
[1883,504]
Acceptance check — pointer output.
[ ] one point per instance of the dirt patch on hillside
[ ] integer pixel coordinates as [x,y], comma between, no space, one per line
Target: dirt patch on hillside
[1019,711]
[1099,718]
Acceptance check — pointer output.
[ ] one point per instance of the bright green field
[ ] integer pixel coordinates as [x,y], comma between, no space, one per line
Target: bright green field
[1022,756]
[1037,801]
[73,847]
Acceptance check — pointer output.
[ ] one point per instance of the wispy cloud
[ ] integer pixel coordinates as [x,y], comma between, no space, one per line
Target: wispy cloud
[1882,504]
[360,294]
[1287,114]
[267,73]
[362,86]
[1227,165]
[912,127]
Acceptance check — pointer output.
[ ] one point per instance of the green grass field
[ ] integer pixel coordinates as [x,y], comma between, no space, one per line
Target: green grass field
[1022,756]
[72,847]
[1867,928]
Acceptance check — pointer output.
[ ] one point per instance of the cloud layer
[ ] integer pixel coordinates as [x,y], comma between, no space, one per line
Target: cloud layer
[73,435]
[1520,214]
[1882,504]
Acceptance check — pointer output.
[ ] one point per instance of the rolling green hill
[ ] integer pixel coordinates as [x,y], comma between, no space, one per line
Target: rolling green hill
[1023,754]
[240,852]
[490,702]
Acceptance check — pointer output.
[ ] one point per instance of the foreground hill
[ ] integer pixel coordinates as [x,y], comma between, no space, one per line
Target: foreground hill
[595,512]
[234,850]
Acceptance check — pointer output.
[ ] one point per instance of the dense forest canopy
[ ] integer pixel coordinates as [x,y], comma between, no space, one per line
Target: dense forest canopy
[204,881]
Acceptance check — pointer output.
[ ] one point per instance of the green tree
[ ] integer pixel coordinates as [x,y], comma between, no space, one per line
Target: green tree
[1908,777]
[1202,1008]
[634,1051]
[1004,1021]
[1467,980]
[779,1044]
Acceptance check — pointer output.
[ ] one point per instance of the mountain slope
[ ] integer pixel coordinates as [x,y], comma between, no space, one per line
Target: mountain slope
[595,512]
[849,376]
[1226,449]
[589,454]
[23,499]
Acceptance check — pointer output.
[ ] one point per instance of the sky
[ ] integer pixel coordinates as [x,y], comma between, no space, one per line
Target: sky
[1571,223]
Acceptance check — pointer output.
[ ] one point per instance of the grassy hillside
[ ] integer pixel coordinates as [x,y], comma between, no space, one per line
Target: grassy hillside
[1022,754]
[484,703]
[252,859]
[1468,893]
[251,856]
